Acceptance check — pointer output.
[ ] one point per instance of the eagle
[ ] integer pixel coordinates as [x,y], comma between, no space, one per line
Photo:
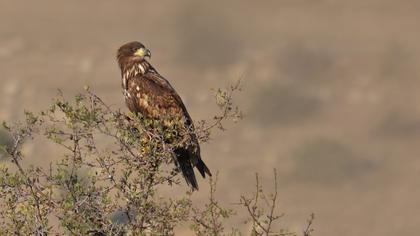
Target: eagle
[148,93]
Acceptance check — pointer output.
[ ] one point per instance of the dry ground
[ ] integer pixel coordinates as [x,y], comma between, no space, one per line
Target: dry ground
[330,92]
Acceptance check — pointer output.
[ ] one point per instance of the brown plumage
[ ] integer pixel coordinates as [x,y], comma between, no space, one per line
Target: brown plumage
[148,93]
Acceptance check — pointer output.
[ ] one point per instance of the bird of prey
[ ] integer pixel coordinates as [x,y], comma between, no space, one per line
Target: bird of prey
[148,93]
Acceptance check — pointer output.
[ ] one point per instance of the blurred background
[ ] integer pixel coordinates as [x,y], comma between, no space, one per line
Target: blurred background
[330,93]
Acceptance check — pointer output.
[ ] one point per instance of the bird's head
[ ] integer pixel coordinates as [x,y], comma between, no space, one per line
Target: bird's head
[132,52]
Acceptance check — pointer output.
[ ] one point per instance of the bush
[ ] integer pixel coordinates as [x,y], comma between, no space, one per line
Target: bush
[109,179]
[5,141]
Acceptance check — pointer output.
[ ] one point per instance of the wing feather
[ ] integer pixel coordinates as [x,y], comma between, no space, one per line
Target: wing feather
[152,95]
[153,100]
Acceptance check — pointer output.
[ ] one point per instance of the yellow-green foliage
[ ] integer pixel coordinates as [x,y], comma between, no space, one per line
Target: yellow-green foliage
[113,164]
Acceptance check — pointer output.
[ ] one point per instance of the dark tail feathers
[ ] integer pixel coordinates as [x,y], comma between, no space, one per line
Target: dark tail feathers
[185,161]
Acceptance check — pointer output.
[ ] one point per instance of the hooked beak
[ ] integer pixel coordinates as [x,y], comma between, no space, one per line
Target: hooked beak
[142,53]
[148,54]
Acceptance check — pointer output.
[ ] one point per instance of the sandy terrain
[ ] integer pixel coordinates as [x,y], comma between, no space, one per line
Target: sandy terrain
[330,92]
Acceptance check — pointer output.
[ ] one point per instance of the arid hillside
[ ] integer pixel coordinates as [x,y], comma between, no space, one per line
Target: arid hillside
[330,92]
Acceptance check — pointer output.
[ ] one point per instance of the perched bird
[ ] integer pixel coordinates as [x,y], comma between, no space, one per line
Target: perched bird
[148,93]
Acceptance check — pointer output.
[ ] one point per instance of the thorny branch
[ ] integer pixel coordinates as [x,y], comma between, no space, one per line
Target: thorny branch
[264,217]
[228,111]
[15,154]
[108,179]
